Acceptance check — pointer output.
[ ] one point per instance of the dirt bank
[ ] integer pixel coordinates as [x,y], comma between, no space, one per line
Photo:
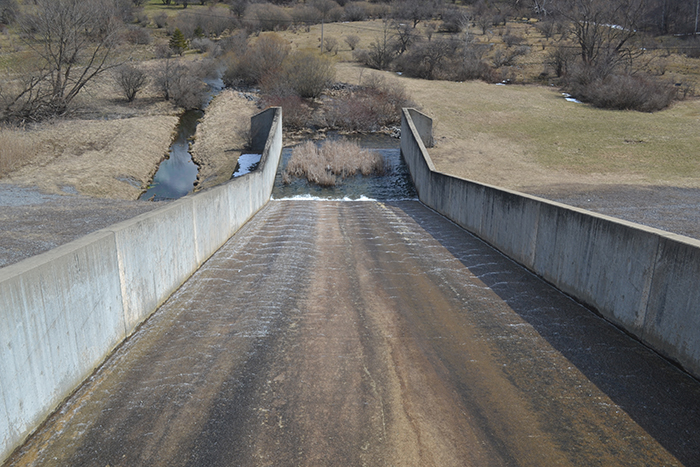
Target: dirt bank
[221,137]
[112,159]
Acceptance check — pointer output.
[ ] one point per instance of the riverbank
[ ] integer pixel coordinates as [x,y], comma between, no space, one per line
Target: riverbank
[221,137]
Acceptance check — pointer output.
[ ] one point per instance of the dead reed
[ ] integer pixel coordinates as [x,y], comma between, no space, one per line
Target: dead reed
[16,150]
[332,160]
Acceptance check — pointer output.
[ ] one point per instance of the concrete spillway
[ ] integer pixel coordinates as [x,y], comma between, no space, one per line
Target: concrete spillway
[366,333]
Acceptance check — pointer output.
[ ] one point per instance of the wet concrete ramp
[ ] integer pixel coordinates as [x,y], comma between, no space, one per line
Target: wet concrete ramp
[367,333]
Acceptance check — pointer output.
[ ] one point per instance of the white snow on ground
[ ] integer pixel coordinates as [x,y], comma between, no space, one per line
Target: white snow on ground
[568,97]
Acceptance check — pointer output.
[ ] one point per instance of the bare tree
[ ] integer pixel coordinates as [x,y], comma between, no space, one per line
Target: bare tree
[182,83]
[404,36]
[603,29]
[352,40]
[414,10]
[73,42]
[130,79]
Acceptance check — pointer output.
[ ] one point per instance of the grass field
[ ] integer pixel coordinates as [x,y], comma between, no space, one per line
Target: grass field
[526,136]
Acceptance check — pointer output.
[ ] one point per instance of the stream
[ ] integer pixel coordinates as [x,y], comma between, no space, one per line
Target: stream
[177,173]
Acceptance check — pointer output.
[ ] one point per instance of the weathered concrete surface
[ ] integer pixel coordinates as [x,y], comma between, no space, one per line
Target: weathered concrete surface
[640,278]
[362,333]
[62,312]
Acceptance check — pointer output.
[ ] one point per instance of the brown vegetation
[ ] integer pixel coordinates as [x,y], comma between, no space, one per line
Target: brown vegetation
[17,148]
[323,165]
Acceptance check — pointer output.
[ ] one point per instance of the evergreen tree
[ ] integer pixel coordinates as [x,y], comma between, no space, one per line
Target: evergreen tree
[178,43]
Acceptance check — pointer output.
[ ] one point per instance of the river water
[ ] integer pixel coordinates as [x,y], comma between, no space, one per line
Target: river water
[395,185]
[176,175]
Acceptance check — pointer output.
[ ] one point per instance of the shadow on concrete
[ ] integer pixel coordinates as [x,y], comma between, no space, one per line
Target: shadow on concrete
[658,396]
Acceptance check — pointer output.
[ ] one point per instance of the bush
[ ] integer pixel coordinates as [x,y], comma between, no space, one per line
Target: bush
[510,39]
[264,57]
[427,60]
[160,20]
[130,79]
[507,57]
[306,15]
[182,83]
[296,113]
[375,105]
[355,11]
[9,10]
[308,74]
[620,91]
[352,41]
[323,165]
[203,45]
[330,44]
[136,35]
[266,17]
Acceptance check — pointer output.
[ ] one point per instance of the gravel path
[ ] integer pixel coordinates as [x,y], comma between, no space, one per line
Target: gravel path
[672,209]
[32,222]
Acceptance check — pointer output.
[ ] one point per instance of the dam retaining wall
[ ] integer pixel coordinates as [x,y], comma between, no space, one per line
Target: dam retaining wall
[64,311]
[644,280]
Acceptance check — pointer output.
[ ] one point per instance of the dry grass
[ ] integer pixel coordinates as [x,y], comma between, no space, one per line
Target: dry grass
[529,136]
[17,148]
[220,137]
[332,160]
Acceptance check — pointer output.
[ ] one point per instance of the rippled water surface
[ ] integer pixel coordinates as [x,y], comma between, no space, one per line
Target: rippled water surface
[395,185]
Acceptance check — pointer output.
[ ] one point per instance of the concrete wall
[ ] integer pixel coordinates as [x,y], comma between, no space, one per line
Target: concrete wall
[642,279]
[64,311]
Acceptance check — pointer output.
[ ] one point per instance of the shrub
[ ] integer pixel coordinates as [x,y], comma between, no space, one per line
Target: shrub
[560,59]
[160,20]
[620,91]
[266,17]
[330,44]
[264,57]
[377,104]
[306,15]
[426,60]
[137,35]
[203,45]
[355,11]
[510,39]
[9,9]
[352,41]
[380,54]
[507,57]
[323,165]
[130,79]
[308,74]
[297,114]
[335,15]
[182,83]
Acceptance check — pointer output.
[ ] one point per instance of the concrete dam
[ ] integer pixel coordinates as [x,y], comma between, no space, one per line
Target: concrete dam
[343,333]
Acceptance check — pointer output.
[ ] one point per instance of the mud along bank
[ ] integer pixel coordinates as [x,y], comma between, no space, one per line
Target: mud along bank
[642,279]
[64,311]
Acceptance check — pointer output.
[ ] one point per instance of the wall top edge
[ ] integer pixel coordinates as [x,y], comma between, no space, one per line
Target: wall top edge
[674,237]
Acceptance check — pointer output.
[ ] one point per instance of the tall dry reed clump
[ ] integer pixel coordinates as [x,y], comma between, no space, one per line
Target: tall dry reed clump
[16,150]
[323,165]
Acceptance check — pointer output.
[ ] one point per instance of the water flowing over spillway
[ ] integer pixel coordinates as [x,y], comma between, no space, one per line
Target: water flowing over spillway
[343,333]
